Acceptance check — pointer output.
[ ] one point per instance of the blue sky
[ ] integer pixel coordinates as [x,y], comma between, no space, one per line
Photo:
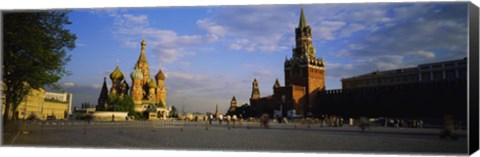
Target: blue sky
[210,54]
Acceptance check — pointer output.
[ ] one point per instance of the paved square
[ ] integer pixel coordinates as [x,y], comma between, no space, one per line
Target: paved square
[280,137]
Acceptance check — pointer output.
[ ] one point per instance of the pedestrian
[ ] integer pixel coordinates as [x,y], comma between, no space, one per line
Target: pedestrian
[264,121]
[210,118]
[386,121]
[220,119]
[240,120]
[228,121]
[341,121]
[234,119]
[448,130]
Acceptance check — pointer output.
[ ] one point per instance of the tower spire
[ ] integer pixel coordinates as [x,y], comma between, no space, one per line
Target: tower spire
[143,57]
[303,20]
[142,64]
[102,99]
[277,84]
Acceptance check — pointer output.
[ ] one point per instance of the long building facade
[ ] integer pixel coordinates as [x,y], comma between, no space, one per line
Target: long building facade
[42,105]
[438,71]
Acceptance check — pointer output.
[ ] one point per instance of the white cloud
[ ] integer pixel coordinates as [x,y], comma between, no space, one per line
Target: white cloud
[326,30]
[340,53]
[214,31]
[250,28]
[167,45]
[68,84]
[96,86]
[185,76]
[425,54]
[351,28]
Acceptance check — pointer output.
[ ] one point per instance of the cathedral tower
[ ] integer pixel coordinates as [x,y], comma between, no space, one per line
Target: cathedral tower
[142,64]
[233,104]
[217,114]
[124,88]
[161,90]
[151,91]
[137,89]
[255,91]
[277,84]
[304,68]
[102,99]
[117,77]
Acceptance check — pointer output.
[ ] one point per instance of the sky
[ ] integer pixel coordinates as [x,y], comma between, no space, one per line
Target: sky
[211,53]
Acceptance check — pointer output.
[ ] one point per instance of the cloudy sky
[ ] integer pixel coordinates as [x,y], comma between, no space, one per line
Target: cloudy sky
[210,54]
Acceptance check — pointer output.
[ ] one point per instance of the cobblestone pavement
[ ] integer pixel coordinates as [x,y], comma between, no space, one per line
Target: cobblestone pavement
[280,137]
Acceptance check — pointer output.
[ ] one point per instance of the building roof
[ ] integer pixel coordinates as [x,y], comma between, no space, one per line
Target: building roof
[303,21]
[136,74]
[386,73]
[152,84]
[116,74]
[277,84]
[104,92]
[160,75]
[142,58]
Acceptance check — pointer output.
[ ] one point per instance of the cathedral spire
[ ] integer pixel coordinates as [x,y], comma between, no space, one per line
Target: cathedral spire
[277,84]
[142,64]
[255,90]
[104,91]
[303,20]
[143,57]
[102,99]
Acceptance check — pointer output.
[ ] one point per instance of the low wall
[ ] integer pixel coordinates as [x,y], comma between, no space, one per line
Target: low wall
[107,116]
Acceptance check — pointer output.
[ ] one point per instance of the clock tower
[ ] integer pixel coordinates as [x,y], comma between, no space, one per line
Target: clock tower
[304,68]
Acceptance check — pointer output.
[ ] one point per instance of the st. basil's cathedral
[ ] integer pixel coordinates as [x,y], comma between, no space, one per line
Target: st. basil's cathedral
[148,93]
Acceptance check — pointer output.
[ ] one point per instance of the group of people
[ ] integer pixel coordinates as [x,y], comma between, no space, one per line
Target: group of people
[398,123]
[231,120]
[331,121]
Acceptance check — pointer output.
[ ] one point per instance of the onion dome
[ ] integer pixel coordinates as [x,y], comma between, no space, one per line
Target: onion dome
[136,74]
[116,74]
[152,84]
[160,75]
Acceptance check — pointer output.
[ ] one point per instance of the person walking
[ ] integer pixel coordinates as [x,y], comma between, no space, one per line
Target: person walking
[210,118]
[448,130]
[228,121]
[234,118]
[220,119]
[240,120]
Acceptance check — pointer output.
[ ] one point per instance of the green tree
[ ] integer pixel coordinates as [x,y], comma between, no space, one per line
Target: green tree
[173,112]
[117,103]
[35,46]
